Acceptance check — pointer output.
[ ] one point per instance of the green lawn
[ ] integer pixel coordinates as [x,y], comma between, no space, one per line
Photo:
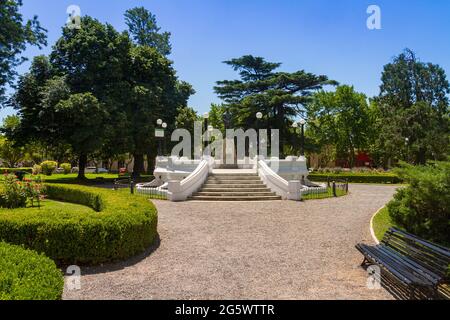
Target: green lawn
[92,178]
[52,205]
[382,222]
[329,194]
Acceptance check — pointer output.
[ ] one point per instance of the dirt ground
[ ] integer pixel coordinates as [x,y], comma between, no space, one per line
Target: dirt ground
[243,250]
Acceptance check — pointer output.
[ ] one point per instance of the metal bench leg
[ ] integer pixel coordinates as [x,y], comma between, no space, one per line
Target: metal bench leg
[412,291]
[365,262]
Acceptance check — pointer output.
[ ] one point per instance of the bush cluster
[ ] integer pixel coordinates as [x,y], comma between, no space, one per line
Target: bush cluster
[37,169]
[15,193]
[390,178]
[121,226]
[12,170]
[67,167]
[27,275]
[48,167]
[12,193]
[422,208]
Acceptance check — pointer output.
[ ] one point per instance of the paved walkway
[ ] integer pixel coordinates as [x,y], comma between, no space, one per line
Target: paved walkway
[262,250]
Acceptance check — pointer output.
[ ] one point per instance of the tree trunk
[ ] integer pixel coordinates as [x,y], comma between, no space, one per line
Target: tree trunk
[138,166]
[151,162]
[82,162]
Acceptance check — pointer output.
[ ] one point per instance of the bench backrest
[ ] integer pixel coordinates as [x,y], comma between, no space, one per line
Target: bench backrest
[431,256]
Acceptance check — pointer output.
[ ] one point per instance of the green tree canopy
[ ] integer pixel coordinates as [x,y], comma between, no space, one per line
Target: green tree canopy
[15,34]
[414,110]
[341,119]
[280,96]
[84,120]
[144,29]
[10,153]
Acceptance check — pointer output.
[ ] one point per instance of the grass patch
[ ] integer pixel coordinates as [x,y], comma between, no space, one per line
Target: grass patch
[325,195]
[50,205]
[352,177]
[91,178]
[382,222]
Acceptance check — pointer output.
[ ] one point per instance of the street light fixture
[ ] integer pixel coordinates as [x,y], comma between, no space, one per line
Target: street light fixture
[205,129]
[259,116]
[302,123]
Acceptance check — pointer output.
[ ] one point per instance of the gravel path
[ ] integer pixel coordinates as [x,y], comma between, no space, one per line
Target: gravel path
[263,250]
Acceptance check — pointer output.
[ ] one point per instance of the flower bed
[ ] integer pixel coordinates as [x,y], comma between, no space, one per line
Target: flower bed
[122,225]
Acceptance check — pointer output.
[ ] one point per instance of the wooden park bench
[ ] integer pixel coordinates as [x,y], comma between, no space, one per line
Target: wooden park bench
[418,264]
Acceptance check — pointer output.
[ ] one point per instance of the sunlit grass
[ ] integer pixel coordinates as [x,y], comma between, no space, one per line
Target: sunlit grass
[50,205]
[325,195]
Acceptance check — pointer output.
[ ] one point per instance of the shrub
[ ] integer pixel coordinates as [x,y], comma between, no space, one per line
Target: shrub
[13,193]
[12,170]
[67,167]
[27,275]
[48,167]
[422,208]
[124,225]
[357,177]
[34,190]
[37,169]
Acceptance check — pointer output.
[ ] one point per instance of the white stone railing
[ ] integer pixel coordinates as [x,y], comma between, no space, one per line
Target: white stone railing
[181,190]
[289,190]
[314,190]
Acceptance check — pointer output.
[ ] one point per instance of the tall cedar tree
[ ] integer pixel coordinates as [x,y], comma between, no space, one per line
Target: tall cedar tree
[280,96]
[414,109]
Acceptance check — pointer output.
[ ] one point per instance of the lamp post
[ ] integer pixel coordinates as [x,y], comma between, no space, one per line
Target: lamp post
[205,129]
[302,123]
[159,134]
[295,126]
[259,116]
[164,126]
[227,119]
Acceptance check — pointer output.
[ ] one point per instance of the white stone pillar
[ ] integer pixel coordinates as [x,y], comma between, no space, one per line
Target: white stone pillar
[294,190]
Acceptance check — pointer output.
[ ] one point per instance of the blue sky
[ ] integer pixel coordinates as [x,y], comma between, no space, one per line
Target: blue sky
[320,36]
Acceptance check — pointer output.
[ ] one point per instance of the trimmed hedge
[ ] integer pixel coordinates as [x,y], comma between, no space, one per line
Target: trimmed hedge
[124,226]
[12,170]
[357,178]
[27,275]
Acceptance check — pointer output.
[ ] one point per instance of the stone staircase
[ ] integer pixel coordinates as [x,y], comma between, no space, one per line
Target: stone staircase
[234,186]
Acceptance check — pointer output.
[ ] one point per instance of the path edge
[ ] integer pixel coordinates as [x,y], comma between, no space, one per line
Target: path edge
[372,232]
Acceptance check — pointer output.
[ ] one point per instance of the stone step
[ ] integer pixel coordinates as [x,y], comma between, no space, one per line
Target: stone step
[233,181]
[233,177]
[261,189]
[235,198]
[234,186]
[244,185]
[234,194]
[234,174]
